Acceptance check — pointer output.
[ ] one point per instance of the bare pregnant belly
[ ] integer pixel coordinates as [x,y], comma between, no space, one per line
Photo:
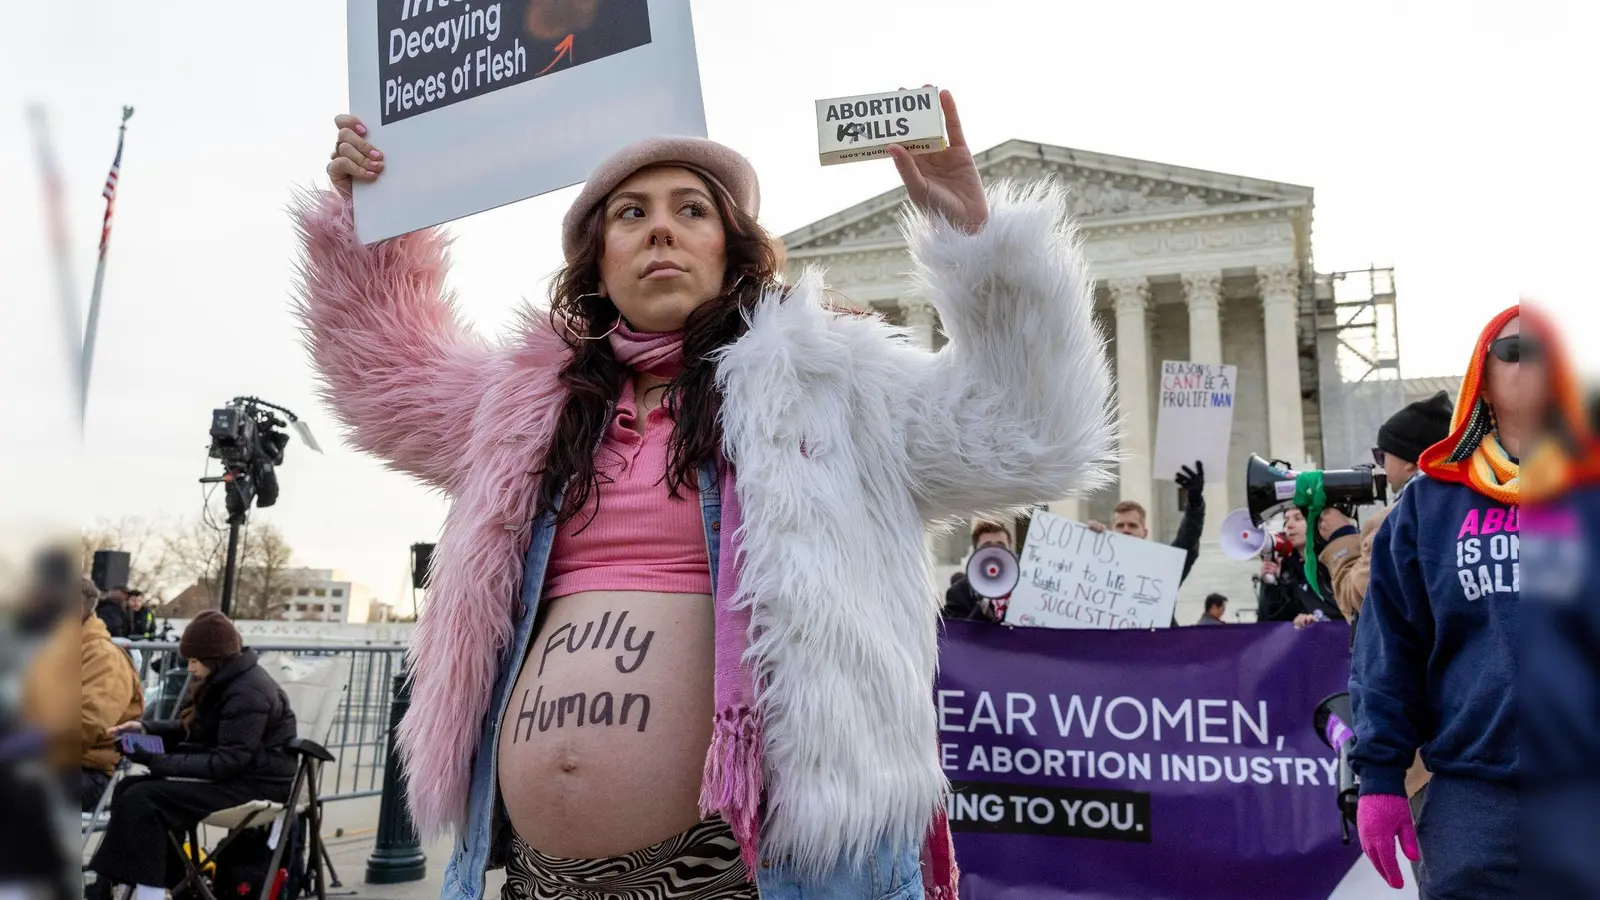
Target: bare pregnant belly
[605,735]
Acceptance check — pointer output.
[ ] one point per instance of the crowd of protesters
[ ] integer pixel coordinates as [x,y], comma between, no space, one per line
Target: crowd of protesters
[1430,585]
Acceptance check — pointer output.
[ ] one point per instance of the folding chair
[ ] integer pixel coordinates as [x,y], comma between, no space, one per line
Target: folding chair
[95,821]
[314,688]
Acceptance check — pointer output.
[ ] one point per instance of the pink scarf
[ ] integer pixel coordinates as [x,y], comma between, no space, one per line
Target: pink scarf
[659,354]
[732,786]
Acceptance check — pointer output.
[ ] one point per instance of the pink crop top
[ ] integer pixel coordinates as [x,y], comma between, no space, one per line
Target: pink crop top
[642,539]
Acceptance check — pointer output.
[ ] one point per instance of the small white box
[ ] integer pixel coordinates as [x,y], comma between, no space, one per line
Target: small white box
[850,129]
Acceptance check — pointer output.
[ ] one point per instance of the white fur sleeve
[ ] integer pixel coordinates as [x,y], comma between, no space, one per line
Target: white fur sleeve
[1016,409]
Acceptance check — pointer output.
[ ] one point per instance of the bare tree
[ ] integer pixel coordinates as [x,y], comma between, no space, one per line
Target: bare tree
[263,558]
[145,542]
[195,552]
[184,561]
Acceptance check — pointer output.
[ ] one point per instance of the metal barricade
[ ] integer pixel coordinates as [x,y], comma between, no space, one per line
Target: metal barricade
[359,738]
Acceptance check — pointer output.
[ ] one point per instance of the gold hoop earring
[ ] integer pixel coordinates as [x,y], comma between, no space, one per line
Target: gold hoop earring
[567,324]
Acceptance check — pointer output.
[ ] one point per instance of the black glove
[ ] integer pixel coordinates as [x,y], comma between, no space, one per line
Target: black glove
[1193,481]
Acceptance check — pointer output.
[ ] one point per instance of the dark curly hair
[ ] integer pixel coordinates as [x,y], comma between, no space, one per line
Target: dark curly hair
[594,378]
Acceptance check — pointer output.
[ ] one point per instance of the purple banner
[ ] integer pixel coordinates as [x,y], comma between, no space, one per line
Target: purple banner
[1139,765]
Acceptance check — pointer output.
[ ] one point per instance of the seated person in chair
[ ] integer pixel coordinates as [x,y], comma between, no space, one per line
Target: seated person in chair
[111,696]
[229,745]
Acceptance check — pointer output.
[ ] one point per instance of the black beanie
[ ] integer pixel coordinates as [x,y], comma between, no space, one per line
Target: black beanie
[211,636]
[1417,427]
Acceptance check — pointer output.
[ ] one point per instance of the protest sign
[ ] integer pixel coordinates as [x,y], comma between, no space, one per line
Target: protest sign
[1137,765]
[851,129]
[1072,577]
[477,104]
[1195,418]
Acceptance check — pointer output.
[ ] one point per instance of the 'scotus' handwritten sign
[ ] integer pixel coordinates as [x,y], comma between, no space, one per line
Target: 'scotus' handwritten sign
[1076,578]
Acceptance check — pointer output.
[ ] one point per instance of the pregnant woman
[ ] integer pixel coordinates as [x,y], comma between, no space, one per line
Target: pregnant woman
[682,629]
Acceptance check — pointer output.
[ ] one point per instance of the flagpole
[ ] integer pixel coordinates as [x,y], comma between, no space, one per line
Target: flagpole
[100,268]
[60,247]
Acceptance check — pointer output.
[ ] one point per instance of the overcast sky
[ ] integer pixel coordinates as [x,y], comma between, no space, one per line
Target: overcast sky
[1440,137]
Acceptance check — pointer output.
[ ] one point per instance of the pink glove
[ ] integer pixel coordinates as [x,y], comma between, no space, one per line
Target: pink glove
[1380,818]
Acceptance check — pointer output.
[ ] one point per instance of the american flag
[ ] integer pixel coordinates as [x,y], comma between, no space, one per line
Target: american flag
[110,193]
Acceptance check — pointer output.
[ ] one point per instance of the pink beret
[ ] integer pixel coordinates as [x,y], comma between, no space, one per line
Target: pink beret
[730,169]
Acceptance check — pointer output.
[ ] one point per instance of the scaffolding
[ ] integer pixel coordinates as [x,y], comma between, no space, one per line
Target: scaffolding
[1358,361]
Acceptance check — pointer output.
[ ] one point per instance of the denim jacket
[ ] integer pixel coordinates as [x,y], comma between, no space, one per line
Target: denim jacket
[891,875]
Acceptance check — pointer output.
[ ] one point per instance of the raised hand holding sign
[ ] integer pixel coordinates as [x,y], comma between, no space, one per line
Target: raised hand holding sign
[945,183]
[352,156]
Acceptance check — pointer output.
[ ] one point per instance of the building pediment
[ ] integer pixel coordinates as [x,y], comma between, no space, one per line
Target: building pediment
[1105,192]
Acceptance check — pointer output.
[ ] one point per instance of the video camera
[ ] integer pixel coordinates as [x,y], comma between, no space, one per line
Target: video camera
[245,437]
[242,430]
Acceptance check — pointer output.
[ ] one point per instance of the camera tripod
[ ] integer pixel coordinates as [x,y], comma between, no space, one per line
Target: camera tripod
[238,493]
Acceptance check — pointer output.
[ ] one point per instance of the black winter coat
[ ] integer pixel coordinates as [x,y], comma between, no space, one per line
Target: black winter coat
[115,617]
[1293,595]
[241,729]
[962,602]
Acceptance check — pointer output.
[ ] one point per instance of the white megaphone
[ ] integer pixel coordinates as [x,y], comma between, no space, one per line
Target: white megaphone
[993,572]
[1242,539]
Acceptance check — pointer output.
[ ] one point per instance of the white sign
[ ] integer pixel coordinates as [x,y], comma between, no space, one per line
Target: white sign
[1195,418]
[1076,578]
[851,129]
[478,104]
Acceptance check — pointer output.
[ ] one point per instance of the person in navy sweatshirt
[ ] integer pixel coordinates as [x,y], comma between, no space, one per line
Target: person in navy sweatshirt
[1436,648]
[1559,675]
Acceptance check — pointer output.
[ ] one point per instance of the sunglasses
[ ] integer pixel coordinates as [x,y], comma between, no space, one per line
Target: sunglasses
[1512,348]
[1377,456]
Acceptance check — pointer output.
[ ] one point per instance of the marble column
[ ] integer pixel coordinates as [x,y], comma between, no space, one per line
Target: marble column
[1067,509]
[1131,299]
[919,318]
[1279,286]
[1203,293]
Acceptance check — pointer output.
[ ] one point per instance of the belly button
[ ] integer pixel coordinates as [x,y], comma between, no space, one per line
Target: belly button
[569,766]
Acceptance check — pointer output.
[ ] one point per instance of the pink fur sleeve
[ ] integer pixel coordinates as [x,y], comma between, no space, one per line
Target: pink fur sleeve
[393,359]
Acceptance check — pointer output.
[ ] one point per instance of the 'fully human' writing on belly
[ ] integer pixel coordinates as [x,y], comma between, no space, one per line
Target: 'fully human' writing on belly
[568,637]
[601,709]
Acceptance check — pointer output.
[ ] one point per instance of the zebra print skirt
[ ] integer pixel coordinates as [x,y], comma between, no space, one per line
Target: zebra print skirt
[700,864]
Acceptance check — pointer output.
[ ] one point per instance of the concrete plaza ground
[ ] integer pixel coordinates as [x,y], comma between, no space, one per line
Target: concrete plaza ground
[350,830]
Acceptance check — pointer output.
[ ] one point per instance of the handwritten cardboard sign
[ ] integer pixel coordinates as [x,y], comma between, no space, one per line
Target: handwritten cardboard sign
[1072,577]
[478,104]
[1195,418]
[851,129]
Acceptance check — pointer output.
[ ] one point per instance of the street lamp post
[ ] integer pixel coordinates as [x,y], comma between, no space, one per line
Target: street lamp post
[397,856]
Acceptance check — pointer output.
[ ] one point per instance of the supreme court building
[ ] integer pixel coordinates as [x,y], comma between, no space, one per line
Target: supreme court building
[1189,265]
